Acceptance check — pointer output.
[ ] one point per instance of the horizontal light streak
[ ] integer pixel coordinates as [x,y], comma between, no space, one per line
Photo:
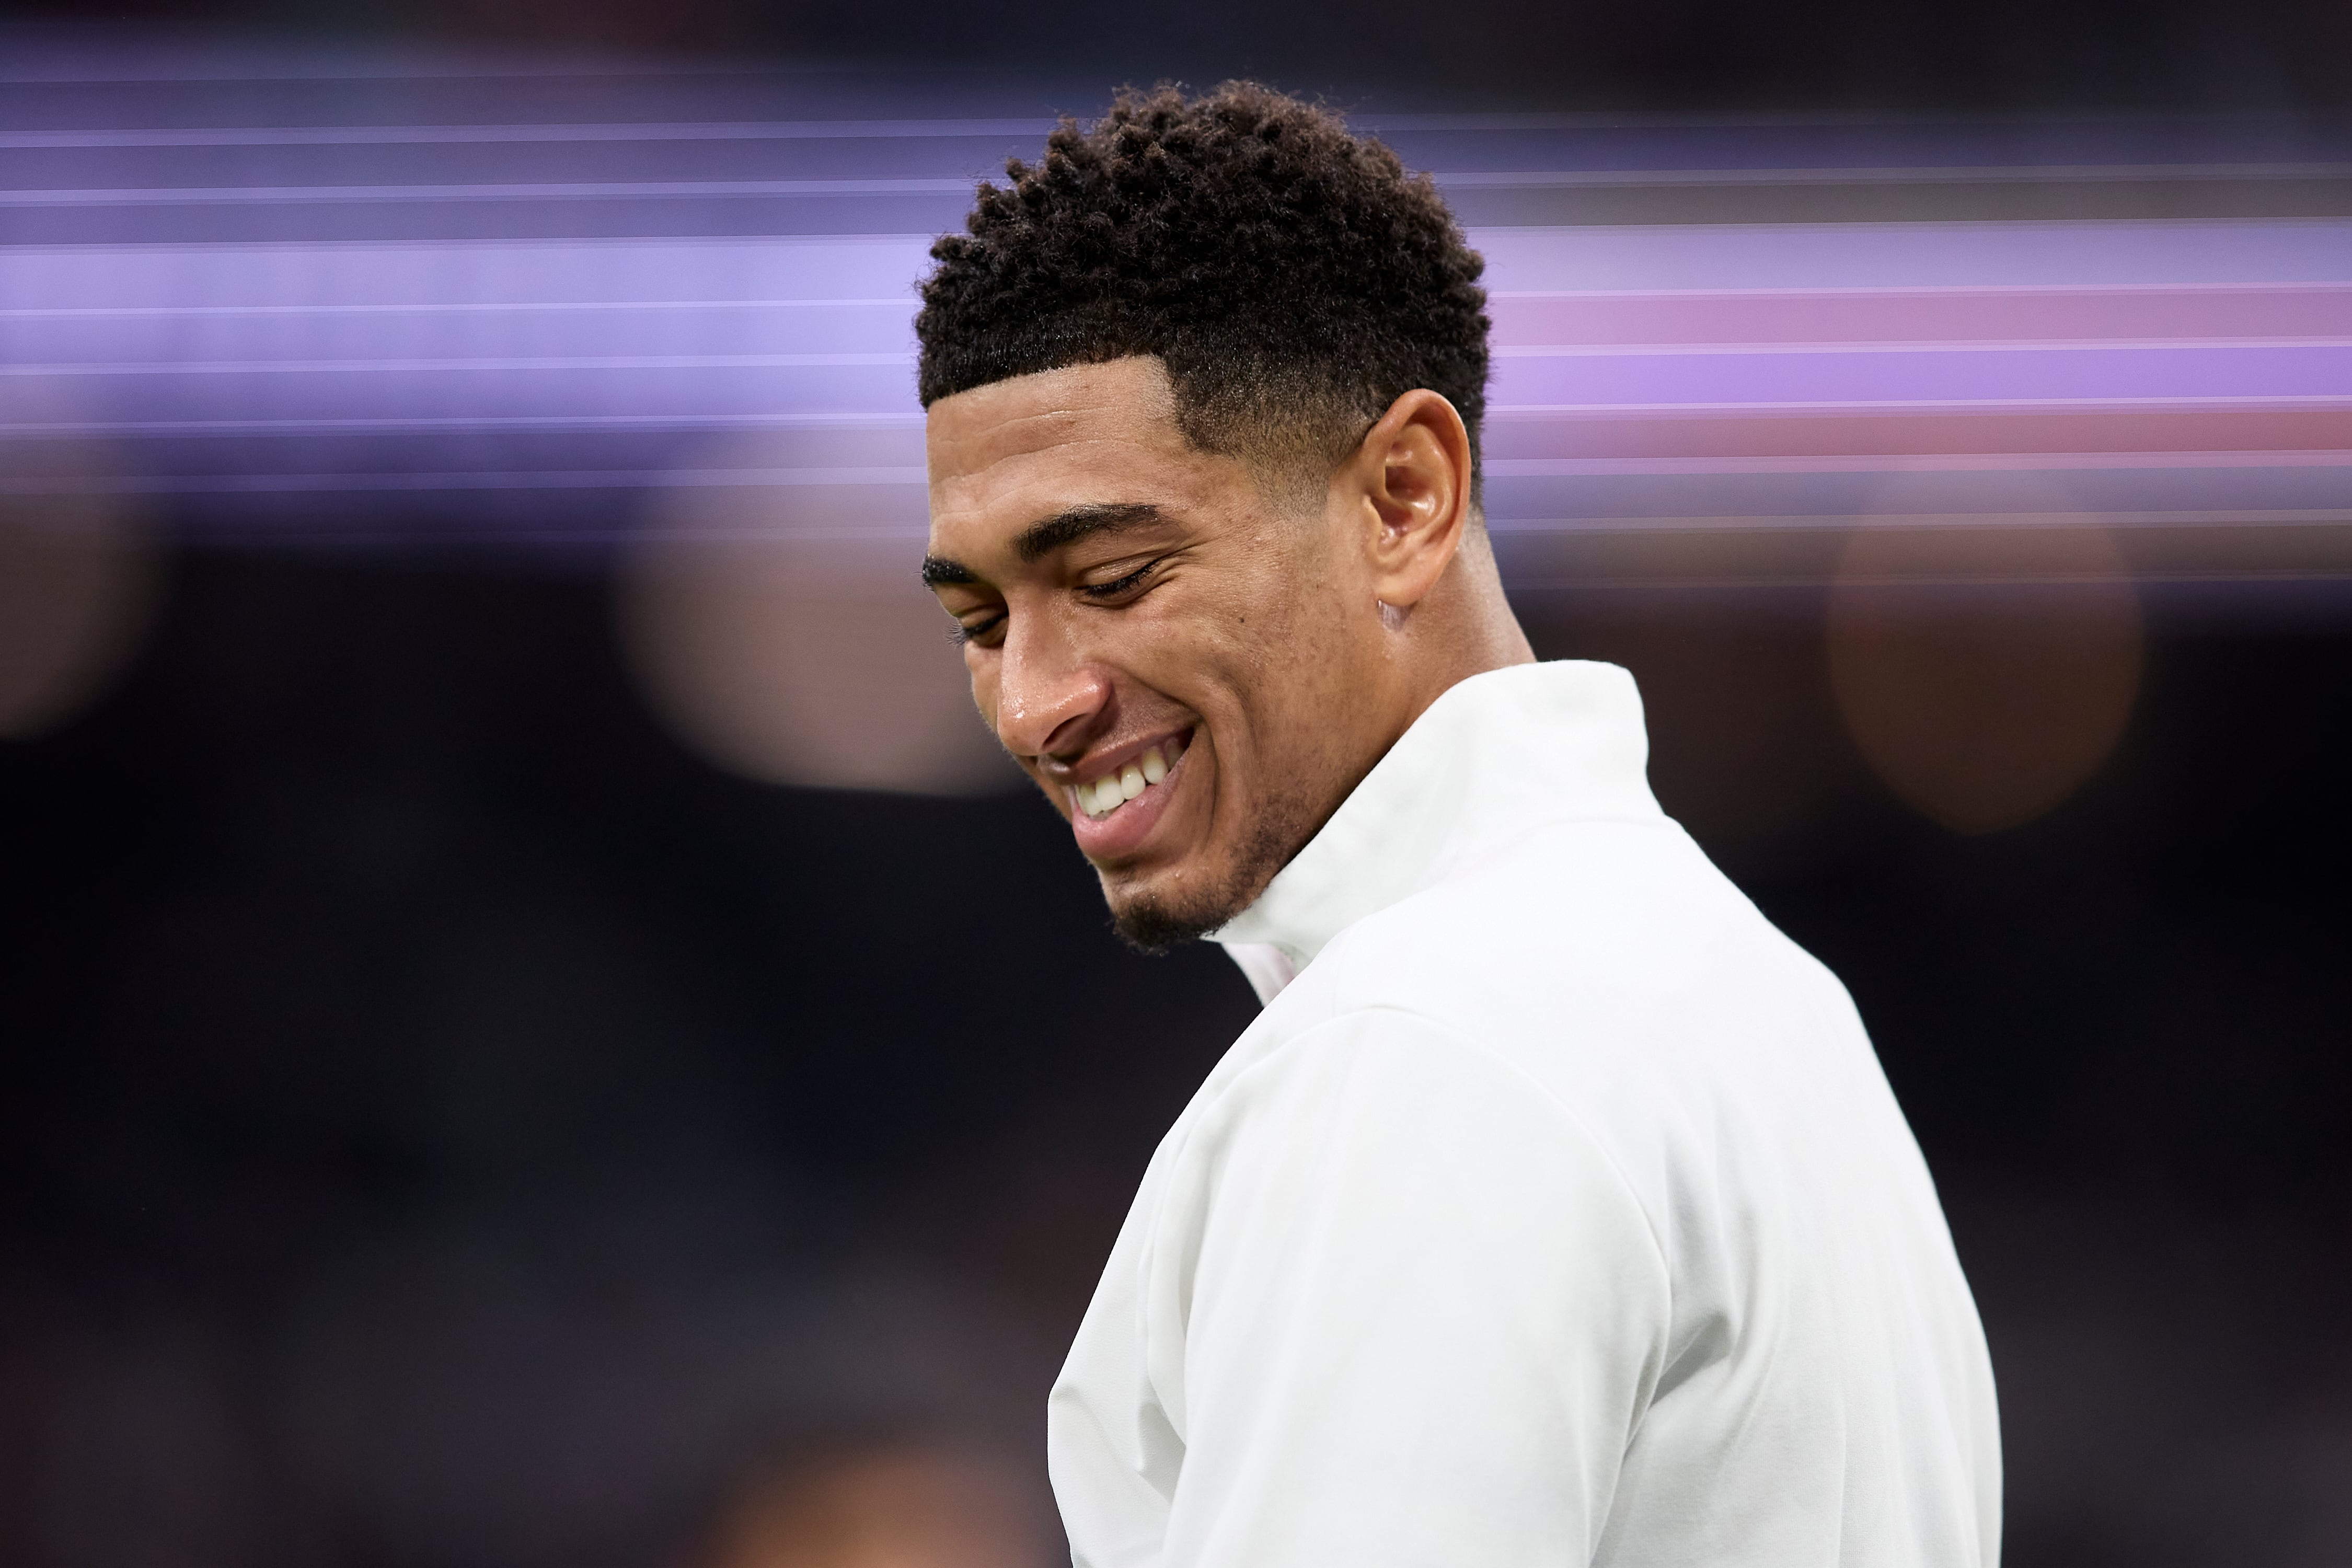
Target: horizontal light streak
[2123,252]
[1768,347]
[1902,292]
[1927,490]
[470,135]
[1896,173]
[1563,525]
[465,480]
[1662,321]
[444,308]
[2012,357]
[420,272]
[2028,405]
[680,190]
[1932,431]
[582,362]
[1906,463]
[557,190]
[535,424]
[2055,374]
[1658,378]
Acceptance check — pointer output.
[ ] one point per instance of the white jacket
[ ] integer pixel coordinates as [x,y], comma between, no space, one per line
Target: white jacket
[1556,1213]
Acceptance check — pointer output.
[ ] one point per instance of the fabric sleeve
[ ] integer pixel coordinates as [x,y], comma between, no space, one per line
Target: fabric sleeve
[1401,1311]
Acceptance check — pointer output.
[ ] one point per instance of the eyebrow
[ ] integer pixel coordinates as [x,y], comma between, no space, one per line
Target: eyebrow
[1042,539]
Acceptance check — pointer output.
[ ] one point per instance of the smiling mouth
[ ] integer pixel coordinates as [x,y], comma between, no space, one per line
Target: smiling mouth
[1098,797]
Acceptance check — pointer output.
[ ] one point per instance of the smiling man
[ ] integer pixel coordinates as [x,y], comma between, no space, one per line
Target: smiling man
[1555,1210]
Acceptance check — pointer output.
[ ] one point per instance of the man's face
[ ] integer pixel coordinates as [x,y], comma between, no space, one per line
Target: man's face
[1145,625]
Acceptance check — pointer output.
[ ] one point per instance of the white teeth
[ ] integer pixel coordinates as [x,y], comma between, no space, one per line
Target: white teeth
[1104,795]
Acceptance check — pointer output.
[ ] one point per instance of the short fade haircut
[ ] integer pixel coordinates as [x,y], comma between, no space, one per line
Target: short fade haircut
[1292,277]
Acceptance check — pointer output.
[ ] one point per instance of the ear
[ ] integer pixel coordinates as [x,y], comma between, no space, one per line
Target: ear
[1412,475]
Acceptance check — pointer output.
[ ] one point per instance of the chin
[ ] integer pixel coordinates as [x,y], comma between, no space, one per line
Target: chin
[1149,926]
[1156,909]
[1153,912]
[1181,904]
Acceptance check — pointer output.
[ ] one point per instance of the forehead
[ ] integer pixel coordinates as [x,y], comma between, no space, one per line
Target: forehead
[1004,456]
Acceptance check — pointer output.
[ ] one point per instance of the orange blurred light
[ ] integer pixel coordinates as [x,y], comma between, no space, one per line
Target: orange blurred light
[899,1506]
[781,631]
[79,580]
[1985,673]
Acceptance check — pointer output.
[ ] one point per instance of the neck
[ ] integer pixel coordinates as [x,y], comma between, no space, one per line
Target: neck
[1465,628]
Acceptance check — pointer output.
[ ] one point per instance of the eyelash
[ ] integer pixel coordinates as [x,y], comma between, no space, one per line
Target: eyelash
[1114,589]
[962,634]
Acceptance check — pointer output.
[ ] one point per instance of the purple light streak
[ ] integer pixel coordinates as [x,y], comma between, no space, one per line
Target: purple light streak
[462,330]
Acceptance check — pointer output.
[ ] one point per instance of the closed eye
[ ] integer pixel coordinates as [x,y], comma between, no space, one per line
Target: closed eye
[1118,586]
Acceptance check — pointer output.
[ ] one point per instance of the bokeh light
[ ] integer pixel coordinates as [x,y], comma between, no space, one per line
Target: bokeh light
[780,629]
[81,579]
[1985,673]
[880,1505]
[1746,748]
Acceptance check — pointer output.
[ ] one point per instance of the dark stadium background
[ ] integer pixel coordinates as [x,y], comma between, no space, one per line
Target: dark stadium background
[448,1120]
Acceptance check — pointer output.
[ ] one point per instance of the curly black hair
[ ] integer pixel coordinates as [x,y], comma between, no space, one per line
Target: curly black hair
[1292,277]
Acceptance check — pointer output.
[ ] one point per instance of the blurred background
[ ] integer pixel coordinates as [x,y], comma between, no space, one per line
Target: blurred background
[539,1031]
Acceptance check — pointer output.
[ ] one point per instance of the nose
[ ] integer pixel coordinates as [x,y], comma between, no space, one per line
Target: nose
[1050,699]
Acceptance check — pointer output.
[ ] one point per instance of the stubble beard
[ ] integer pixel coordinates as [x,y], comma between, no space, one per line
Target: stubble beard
[1151,923]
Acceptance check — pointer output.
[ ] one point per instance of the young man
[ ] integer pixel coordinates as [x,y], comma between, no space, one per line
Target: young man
[1555,1211]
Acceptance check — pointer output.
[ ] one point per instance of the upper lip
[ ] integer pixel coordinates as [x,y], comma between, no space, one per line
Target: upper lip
[1112,760]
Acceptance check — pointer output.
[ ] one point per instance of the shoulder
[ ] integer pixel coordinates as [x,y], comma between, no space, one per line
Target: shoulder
[1365,1060]
[1587,930]
[1616,972]
[1381,1110]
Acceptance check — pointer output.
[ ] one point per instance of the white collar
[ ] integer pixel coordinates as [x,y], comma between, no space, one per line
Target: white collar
[1491,758]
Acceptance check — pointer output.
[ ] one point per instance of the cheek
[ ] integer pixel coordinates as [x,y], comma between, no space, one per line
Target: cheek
[1290,685]
[1279,628]
[1249,616]
[1209,660]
